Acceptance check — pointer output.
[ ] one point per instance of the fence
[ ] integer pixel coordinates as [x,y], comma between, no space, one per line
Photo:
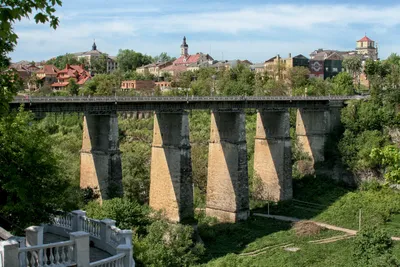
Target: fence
[80,229]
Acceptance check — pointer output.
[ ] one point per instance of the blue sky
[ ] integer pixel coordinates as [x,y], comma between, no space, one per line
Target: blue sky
[254,30]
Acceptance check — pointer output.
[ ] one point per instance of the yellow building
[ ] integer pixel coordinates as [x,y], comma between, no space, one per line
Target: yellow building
[367,48]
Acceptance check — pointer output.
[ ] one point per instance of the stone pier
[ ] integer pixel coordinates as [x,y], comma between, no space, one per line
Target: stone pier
[312,128]
[100,155]
[171,188]
[227,183]
[272,155]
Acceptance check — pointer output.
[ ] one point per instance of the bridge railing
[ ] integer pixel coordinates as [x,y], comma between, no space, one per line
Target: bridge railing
[88,99]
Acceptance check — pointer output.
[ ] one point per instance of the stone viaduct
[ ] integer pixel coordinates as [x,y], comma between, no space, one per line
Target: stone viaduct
[171,188]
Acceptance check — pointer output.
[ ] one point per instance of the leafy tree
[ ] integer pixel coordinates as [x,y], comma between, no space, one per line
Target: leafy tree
[298,77]
[101,84]
[61,61]
[342,84]
[373,248]
[10,12]
[73,87]
[31,187]
[354,66]
[130,60]
[163,57]
[389,158]
[99,64]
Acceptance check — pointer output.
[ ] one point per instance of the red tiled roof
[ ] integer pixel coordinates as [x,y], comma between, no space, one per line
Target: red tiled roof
[175,68]
[82,81]
[365,39]
[187,60]
[78,68]
[48,70]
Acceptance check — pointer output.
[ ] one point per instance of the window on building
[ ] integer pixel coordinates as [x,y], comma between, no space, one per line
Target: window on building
[335,69]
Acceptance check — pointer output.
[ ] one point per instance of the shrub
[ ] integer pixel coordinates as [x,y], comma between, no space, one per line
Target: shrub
[167,245]
[373,247]
[128,214]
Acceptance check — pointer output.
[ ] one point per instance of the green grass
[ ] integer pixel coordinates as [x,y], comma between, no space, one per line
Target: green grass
[332,203]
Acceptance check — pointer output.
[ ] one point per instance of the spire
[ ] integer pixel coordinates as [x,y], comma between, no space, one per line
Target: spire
[184,44]
[94,46]
[184,47]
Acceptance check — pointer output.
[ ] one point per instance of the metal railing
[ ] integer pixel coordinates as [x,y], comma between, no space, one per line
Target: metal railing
[105,99]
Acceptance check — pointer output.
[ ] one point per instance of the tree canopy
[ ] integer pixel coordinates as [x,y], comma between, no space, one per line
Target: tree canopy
[130,60]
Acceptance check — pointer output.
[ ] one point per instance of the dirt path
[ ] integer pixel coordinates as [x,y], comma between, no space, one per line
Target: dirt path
[325,225]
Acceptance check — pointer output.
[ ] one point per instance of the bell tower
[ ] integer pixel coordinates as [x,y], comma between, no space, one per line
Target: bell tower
[184,48]
[367,47]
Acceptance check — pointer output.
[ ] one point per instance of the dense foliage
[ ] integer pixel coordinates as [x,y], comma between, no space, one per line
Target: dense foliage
[373,247]
[32,188]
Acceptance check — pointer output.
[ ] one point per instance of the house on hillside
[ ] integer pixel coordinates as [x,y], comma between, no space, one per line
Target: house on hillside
[47,74]
[76,72]
[153,68]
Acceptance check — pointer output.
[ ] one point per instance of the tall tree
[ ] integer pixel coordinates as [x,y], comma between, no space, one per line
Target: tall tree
[163,57]
[31,187]
[342,84]
[354,66]
[130,60]
[298,77]
[99,64]
[73,87]
[10,12]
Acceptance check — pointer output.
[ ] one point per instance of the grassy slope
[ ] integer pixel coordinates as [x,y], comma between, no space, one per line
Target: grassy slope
[333,204]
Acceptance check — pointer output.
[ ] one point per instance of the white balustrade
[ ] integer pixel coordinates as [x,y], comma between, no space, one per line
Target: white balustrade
[114,236]
[114,261]
[64,221]
[54,254]
[91,226]
[104,234]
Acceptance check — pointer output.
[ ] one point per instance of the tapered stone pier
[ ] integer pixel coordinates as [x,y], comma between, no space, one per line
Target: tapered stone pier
[100,155]
[171,188]
[312,129]
[272,155]
[227,184]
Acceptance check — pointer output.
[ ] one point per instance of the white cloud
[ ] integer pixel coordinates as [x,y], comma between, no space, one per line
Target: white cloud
[321,20]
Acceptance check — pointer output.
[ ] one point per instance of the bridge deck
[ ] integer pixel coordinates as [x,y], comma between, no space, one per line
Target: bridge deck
[106,104]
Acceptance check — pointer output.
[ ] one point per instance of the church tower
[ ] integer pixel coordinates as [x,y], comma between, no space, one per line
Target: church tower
[367,48]
[94,46]
[184,48]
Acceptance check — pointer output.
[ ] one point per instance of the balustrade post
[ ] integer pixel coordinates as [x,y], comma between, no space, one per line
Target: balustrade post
[76,220]
[105,229]
[128,259]
[34,237]
[125,235]
[9,253]
[81,250]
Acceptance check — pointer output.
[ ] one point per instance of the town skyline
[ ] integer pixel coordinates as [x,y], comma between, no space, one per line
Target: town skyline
[255,31]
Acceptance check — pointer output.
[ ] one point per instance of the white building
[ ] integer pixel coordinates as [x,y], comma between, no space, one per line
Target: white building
[94,53]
